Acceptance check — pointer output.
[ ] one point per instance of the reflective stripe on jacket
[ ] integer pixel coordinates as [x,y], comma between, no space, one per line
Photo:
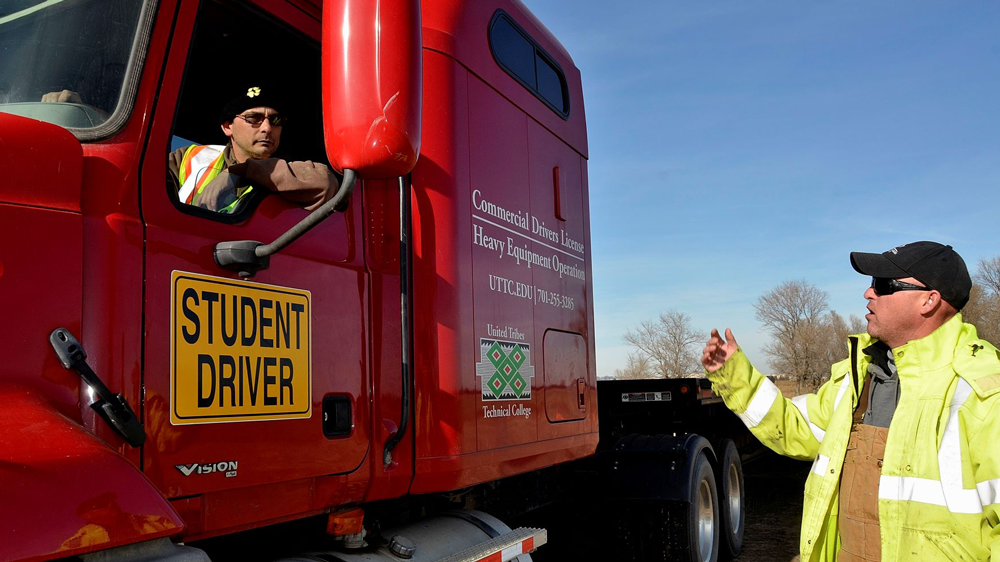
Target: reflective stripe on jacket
[940,480]
[200,165]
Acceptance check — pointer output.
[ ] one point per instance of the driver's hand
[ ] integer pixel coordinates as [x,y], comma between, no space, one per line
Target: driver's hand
[65,96]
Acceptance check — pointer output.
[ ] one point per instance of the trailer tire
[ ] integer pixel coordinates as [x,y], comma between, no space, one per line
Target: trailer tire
[661,498]
[732,500]
[702,515]
[671,531]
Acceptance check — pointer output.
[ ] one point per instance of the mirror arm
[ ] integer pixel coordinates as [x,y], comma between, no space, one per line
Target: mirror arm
[248,256]
[337,204]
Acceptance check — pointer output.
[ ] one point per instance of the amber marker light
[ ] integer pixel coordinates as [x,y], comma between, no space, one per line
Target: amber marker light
[347,522]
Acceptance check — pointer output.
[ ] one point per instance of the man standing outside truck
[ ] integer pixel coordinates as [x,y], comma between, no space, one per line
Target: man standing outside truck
[220,177]
[905,436]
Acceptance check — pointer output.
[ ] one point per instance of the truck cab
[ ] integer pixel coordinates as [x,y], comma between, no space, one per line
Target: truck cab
[432,335]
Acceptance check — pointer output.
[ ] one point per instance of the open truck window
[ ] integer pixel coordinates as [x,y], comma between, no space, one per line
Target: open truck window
[236,44]
[71,62]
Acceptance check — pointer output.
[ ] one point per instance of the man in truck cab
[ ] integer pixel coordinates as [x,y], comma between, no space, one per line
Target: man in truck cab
[220,177]
[903,437]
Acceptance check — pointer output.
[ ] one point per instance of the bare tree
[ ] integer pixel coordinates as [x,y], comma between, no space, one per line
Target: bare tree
[983,308]
[666,345]
[988,275]
[795,313]
[636,367]
[857,325]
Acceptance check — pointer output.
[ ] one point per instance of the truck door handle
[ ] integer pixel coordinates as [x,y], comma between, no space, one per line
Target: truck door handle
[112,407]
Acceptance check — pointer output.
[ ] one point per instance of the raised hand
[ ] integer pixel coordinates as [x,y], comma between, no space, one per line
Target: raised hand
[718,350]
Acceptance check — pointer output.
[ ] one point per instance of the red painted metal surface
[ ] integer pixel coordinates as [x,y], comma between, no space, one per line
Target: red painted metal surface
[72,256]
[105,236]
[40,254]
[382,213]
[371,85]
[65,493]
[457,28]
[495,260]
[30,146]
[328,262]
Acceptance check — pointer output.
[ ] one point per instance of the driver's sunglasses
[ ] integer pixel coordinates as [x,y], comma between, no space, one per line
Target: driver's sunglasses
[255,119]
[885,286]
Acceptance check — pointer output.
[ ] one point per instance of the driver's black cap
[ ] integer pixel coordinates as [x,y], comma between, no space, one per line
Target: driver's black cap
[259,93]
[935,265]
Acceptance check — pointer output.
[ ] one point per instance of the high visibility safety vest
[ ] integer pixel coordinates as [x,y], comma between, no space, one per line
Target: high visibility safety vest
[940,479]
[199,166]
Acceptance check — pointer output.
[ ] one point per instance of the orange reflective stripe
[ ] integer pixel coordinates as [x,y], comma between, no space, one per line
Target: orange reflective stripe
[186,160]
[211,171]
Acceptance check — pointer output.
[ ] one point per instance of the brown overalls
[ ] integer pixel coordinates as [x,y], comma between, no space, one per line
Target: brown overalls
[860,540]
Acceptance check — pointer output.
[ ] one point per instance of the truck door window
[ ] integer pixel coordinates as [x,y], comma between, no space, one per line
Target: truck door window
[67,61]
[236,44]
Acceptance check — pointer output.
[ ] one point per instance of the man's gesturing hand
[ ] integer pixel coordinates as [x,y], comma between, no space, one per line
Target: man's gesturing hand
[718,350]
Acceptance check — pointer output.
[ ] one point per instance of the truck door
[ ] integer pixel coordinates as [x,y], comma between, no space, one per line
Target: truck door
[240,375]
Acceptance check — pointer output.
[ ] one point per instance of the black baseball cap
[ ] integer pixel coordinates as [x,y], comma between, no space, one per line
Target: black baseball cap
[937,266]
[250,95]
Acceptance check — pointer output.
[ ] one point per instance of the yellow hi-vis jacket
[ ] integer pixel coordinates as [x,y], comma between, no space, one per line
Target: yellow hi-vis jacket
[200,165]
[940,482]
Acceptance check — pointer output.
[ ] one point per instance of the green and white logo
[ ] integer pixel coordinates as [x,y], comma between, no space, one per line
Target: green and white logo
[505,370]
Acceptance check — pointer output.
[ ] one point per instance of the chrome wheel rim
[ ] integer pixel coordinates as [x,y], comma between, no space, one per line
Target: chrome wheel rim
[735,505]
[706,521]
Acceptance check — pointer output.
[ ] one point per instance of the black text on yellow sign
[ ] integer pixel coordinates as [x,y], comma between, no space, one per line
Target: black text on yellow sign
[240,351]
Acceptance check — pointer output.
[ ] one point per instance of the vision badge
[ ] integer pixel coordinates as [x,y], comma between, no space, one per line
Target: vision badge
[505,370]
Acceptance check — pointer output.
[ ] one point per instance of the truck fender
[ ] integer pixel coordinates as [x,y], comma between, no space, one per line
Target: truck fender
[652,467]
[66,492]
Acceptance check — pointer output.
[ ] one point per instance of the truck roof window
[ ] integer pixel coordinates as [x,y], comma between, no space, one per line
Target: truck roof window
[521,57]
[67,62]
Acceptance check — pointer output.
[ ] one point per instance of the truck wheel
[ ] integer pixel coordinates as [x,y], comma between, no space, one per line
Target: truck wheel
[732,508]
[703,514]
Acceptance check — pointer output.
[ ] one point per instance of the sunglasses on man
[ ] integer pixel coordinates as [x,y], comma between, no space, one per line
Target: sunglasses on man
[255,119]
[884,286]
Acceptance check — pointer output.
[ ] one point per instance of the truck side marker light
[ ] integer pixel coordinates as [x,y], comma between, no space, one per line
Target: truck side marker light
[347,522]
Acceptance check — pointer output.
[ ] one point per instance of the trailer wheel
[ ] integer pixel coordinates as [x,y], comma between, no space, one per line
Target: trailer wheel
[703,514]
[732,495]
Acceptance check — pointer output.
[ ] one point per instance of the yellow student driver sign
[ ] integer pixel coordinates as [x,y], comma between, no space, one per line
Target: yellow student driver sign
[240,351]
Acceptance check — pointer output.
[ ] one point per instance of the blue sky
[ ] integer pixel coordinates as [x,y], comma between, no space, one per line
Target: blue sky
[735,145]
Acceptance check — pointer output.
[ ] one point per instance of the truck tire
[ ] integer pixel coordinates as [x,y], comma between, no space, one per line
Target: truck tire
[703,515]
[661,500]
[732,496]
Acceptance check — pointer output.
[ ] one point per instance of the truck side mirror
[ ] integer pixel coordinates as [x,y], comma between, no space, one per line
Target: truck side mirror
[372,85]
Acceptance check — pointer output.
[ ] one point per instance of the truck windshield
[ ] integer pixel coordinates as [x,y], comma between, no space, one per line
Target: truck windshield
[65,61]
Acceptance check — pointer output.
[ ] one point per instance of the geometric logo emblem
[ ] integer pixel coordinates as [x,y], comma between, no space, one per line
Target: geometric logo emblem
[505,370]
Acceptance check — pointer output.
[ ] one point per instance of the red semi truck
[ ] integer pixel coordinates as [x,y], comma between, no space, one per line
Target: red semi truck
[413,355]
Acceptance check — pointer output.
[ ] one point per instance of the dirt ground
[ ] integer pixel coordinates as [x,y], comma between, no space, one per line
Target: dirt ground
[774,509]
